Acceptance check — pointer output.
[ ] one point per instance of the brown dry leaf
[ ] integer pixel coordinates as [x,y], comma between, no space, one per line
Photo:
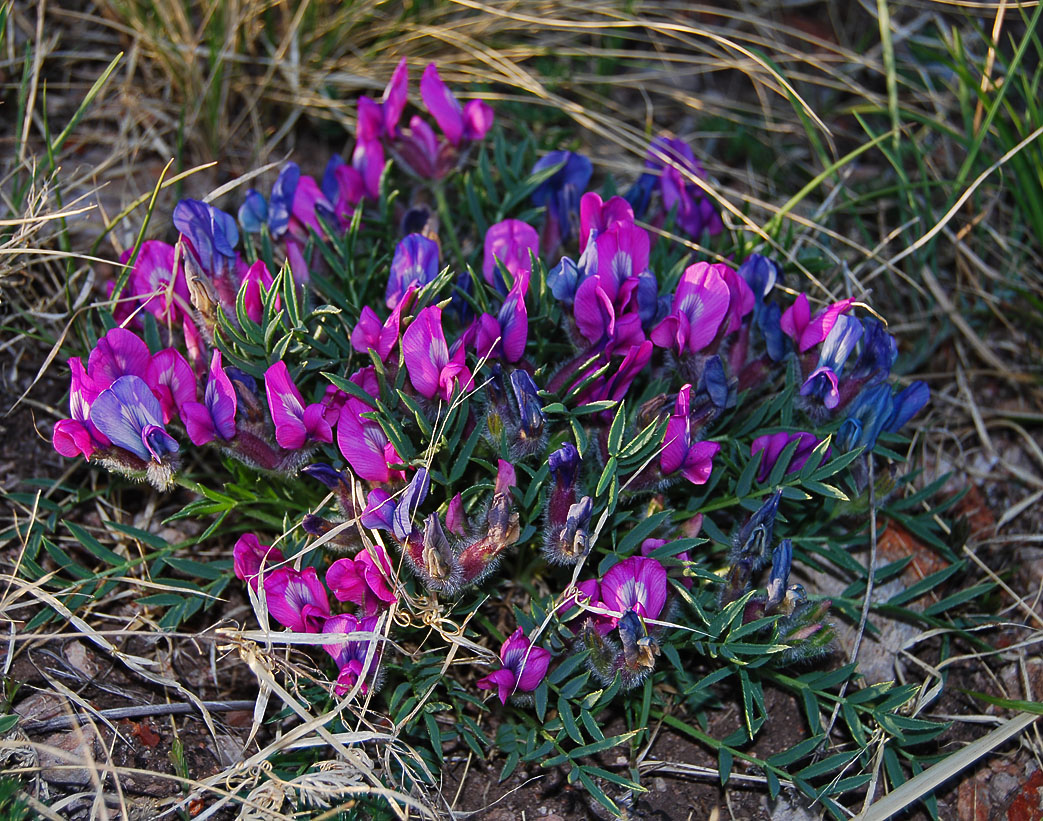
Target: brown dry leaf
[1028,803]
[897,543]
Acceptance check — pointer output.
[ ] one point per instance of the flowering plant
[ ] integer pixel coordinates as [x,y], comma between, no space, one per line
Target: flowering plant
[490,383]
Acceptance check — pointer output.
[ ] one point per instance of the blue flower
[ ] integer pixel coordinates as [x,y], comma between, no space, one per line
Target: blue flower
[836,349]
[415,262]
[129,414]
[561,191]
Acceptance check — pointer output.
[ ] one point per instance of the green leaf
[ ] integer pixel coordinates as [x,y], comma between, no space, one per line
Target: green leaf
[96,548]
[615,432]
[724,764]
[568,720]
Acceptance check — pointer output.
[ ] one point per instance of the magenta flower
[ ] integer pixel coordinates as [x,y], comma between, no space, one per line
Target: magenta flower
[456,518]
[363,580]
[470,122]
[606,311]
[250,559]
[636,584]
[649,546]
[119,353]
[367,160]
[130,417]
[297,600]
[596,215]
[172,381]
[333,399]
[618,384]
[680,453]
[807,331]
[524,668]
[350,656]
[588,592]
[510,242]
[256,281]
[741,298]
[154,280]
[623,252]
[771,445]
[365,445]
[431,368]
[699,308]
[214,417]
[505,335]
[295,424]
[370,334]
[376,120]
[78,435]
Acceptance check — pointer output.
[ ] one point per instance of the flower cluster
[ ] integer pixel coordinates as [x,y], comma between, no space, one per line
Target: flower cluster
[299,600]
[583,366]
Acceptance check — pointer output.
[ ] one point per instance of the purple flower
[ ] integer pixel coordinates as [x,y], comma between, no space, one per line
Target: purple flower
[209,234]
[295,424]
[380,511]
[598,216]
[130,416]
[411,499]
[363,580]
[432,371]
[376,120]
[214,417]
[119,353]
[471,122]
[172,381]
[510,243]
[606,313]
[824,381]
[616,386]
[365,445]
[78,435]
[680,453]
[297,600]
[524,666]
[649,546]
[771,445]
[699,308]
[367,160]
[505,336]
[760,273]
[456,518]
[250,558]
[350,656]
[415,262]
[344,187]
[561,193]
[678,167]
[807,331]
[636,584]
[155,280]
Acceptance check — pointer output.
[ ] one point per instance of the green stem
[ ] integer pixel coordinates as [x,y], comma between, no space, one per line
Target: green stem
[447,222]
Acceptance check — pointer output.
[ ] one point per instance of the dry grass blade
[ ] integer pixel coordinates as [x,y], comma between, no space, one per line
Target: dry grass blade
[935,775]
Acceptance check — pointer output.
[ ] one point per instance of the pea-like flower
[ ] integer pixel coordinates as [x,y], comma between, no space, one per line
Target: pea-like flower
[524,666]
